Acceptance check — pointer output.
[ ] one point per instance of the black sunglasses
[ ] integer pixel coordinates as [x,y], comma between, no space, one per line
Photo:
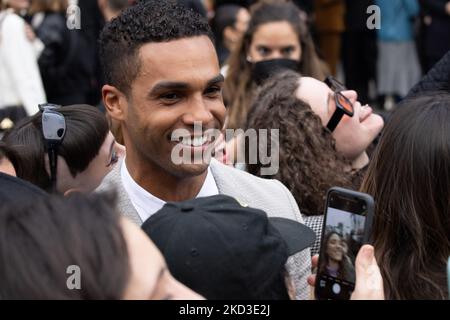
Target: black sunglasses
[343,104]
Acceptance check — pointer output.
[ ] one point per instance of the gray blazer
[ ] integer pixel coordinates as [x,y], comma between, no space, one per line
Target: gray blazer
[269,195]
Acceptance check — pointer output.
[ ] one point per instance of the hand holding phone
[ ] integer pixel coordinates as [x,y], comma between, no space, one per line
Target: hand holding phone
[346,228]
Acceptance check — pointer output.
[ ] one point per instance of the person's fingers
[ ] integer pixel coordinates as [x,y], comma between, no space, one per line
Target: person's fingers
[312,280]
[315,261]
[369,283]
[365,257]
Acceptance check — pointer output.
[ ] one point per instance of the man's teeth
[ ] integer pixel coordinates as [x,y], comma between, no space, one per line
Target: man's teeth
[194,142]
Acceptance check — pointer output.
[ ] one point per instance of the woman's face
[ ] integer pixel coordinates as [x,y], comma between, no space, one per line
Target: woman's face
[353,134]
[344,247]
[275,40]
[18,5]
[87,181]
[149,277]
[234,33]
[334,248]
[109,154]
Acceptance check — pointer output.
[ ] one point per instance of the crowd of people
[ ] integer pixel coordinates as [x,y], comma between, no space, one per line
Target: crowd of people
[92,118]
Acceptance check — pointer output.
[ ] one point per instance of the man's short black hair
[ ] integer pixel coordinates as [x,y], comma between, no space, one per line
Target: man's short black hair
[147,21]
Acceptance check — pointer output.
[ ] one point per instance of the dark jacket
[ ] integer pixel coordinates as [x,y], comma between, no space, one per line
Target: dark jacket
[64,66]
[305,5]
[434,7]
[356,15]
[437,79]
[437,33]
[243,3]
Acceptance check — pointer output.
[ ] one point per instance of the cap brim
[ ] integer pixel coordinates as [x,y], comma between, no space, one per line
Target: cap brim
[296,235]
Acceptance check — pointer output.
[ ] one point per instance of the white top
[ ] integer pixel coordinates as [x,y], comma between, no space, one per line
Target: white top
[147,204]
[20,80]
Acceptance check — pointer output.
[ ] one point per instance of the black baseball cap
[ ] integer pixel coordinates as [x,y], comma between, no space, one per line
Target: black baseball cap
[224,250]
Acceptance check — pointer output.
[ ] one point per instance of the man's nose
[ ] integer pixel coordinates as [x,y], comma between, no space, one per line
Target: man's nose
[198,111]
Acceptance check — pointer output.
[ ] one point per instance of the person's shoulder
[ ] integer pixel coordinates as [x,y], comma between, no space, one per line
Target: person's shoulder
[13,23]
[54,19]
[240,177]
[267,194]
[314,222]
[53,27]
[112,181]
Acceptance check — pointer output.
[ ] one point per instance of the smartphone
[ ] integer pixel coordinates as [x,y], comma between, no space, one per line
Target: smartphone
[346,228]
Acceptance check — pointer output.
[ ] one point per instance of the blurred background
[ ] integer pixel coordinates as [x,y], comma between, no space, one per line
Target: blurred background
[380,64]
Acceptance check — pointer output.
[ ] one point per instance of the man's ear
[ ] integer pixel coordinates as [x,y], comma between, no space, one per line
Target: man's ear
[115,102]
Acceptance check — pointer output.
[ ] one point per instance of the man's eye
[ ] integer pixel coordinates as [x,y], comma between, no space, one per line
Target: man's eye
[213,91]
[170,96]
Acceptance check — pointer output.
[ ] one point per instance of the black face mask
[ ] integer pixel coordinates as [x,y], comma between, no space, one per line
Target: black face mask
[263,70]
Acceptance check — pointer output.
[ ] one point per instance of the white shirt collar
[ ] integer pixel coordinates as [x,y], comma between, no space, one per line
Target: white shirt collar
[147,204]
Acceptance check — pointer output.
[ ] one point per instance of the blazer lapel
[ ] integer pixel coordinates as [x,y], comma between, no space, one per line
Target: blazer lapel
[124,205]
[226,183]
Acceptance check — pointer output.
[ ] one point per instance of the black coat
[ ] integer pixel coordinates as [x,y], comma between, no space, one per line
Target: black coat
[434,7]
[437,79]
[306,5]
[64,66]
[437,34]
[356,15]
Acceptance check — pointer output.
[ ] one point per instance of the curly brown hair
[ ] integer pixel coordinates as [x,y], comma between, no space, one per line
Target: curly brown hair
[239,89]
[308,161]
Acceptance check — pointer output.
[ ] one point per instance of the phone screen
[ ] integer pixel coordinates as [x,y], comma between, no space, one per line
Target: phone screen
[342,237]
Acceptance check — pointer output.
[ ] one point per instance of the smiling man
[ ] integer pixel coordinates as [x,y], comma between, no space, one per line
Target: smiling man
[163,81]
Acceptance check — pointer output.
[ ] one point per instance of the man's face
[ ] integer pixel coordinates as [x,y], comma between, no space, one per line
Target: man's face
[179,84]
